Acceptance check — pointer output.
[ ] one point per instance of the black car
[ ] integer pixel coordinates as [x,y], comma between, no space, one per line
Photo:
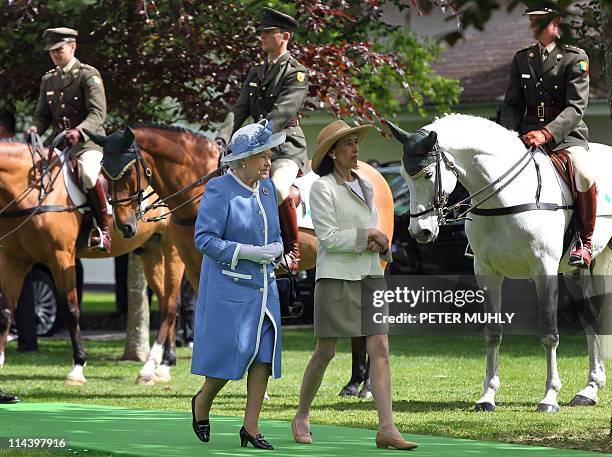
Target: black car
[446,255]
[37,309]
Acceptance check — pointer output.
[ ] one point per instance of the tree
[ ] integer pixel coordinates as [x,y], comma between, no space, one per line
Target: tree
[184,60]
[587,23]
[137,334]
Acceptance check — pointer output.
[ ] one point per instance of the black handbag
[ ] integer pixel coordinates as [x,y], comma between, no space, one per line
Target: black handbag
[294,306]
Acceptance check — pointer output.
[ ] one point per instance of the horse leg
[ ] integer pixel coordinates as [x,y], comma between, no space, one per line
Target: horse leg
[547,292]
[183,240]
[152,263]
[63,270]
[493,337]
[174,269]
[596,378]
[597,373]
[158,271]
[11,282]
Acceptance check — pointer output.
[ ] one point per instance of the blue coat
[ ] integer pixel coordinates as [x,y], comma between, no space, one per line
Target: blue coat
[234,295]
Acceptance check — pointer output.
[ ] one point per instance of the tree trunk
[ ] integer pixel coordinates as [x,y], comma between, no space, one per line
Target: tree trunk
[137,335]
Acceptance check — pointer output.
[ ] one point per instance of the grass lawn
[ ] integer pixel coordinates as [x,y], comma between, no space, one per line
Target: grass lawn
[435,383]
[104,302]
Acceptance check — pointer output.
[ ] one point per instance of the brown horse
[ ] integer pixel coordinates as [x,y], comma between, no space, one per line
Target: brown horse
[50,237]
[172,158]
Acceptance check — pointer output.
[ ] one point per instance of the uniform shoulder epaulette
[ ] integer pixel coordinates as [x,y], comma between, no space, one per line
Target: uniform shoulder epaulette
[572,48]
[84,66]
[526,48]
[48,73]
[296,63]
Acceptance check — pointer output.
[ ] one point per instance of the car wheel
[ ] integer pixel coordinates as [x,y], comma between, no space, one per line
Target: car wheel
[45,302]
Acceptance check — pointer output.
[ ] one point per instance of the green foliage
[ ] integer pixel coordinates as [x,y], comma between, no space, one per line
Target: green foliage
[182,60]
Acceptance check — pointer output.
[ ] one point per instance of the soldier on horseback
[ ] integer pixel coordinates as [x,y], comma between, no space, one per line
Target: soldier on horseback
[545,101]
[72,99]
[275,90]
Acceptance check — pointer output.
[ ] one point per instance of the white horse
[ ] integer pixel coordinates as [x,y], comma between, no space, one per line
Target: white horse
[524,244]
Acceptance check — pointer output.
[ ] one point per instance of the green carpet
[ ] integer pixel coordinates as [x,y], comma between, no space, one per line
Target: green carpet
[142,432]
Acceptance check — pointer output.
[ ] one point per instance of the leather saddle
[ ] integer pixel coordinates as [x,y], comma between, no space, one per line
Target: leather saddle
[74,174]
[564,166]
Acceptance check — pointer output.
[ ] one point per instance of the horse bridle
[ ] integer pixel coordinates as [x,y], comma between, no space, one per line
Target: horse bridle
[439,203]
[138,165]
[439,199]
[140,196]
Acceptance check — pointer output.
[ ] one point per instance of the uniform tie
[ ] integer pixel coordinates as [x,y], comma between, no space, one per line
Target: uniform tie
[544,54]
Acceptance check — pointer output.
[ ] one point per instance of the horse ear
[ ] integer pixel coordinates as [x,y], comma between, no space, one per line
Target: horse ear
[128,137]
[401,135]
[100,140]
[431,139]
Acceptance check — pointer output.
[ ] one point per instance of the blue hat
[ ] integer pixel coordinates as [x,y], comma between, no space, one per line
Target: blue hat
[253,139]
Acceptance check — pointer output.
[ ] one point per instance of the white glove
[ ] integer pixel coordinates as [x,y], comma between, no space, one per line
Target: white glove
[255,254]
[275,249]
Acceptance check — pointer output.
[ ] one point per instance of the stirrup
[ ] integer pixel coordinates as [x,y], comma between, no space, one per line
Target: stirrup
[575,261]
[100,245]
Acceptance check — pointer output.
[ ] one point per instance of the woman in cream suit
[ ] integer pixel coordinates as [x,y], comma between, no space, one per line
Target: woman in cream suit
[348,259]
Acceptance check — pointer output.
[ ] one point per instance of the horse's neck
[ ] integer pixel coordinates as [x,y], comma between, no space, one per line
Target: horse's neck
[176,164]
[17,174]
[477,169]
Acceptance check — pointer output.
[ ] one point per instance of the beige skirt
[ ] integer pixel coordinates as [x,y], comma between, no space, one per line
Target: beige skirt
[338,310]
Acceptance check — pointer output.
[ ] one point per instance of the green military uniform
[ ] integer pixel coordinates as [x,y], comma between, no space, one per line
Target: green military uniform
[72,100]
[552,94]
[276,95]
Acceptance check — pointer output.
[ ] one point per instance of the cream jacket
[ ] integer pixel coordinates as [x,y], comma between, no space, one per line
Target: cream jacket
[341,221]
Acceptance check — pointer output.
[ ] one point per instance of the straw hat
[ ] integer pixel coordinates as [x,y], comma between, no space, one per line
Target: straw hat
[253,139]
[332,133]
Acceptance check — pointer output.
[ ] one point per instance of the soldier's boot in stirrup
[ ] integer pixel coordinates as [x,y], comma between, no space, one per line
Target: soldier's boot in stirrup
[586,211]
[99,236]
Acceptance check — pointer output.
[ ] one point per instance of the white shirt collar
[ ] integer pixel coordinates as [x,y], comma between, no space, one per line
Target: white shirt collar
[549,48]
[69,66]
[241,182]
[277,59]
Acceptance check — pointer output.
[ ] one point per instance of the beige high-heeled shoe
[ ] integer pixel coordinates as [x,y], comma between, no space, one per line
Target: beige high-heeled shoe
[300,439]
[384,441]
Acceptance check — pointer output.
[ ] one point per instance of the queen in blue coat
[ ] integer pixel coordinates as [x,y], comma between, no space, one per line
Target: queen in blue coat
[237,317]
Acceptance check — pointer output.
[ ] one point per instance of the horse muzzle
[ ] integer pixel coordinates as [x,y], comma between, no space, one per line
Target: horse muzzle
[424,236]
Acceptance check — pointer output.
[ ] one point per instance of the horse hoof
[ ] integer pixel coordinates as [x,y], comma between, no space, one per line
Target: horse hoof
[74,381]
[350,390]
[581,400]
[365,394]
[544,408]
[163,378]
[145,380]
[485,406]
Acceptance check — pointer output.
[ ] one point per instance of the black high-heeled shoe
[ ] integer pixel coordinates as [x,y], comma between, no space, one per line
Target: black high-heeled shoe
[200,428]
[257,442]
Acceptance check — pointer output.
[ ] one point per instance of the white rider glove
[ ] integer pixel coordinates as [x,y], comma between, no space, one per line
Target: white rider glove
[275,249]
[255,254]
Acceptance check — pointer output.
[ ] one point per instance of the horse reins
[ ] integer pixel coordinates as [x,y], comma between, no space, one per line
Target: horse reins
[140,196]
[36,148]
[439,200]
